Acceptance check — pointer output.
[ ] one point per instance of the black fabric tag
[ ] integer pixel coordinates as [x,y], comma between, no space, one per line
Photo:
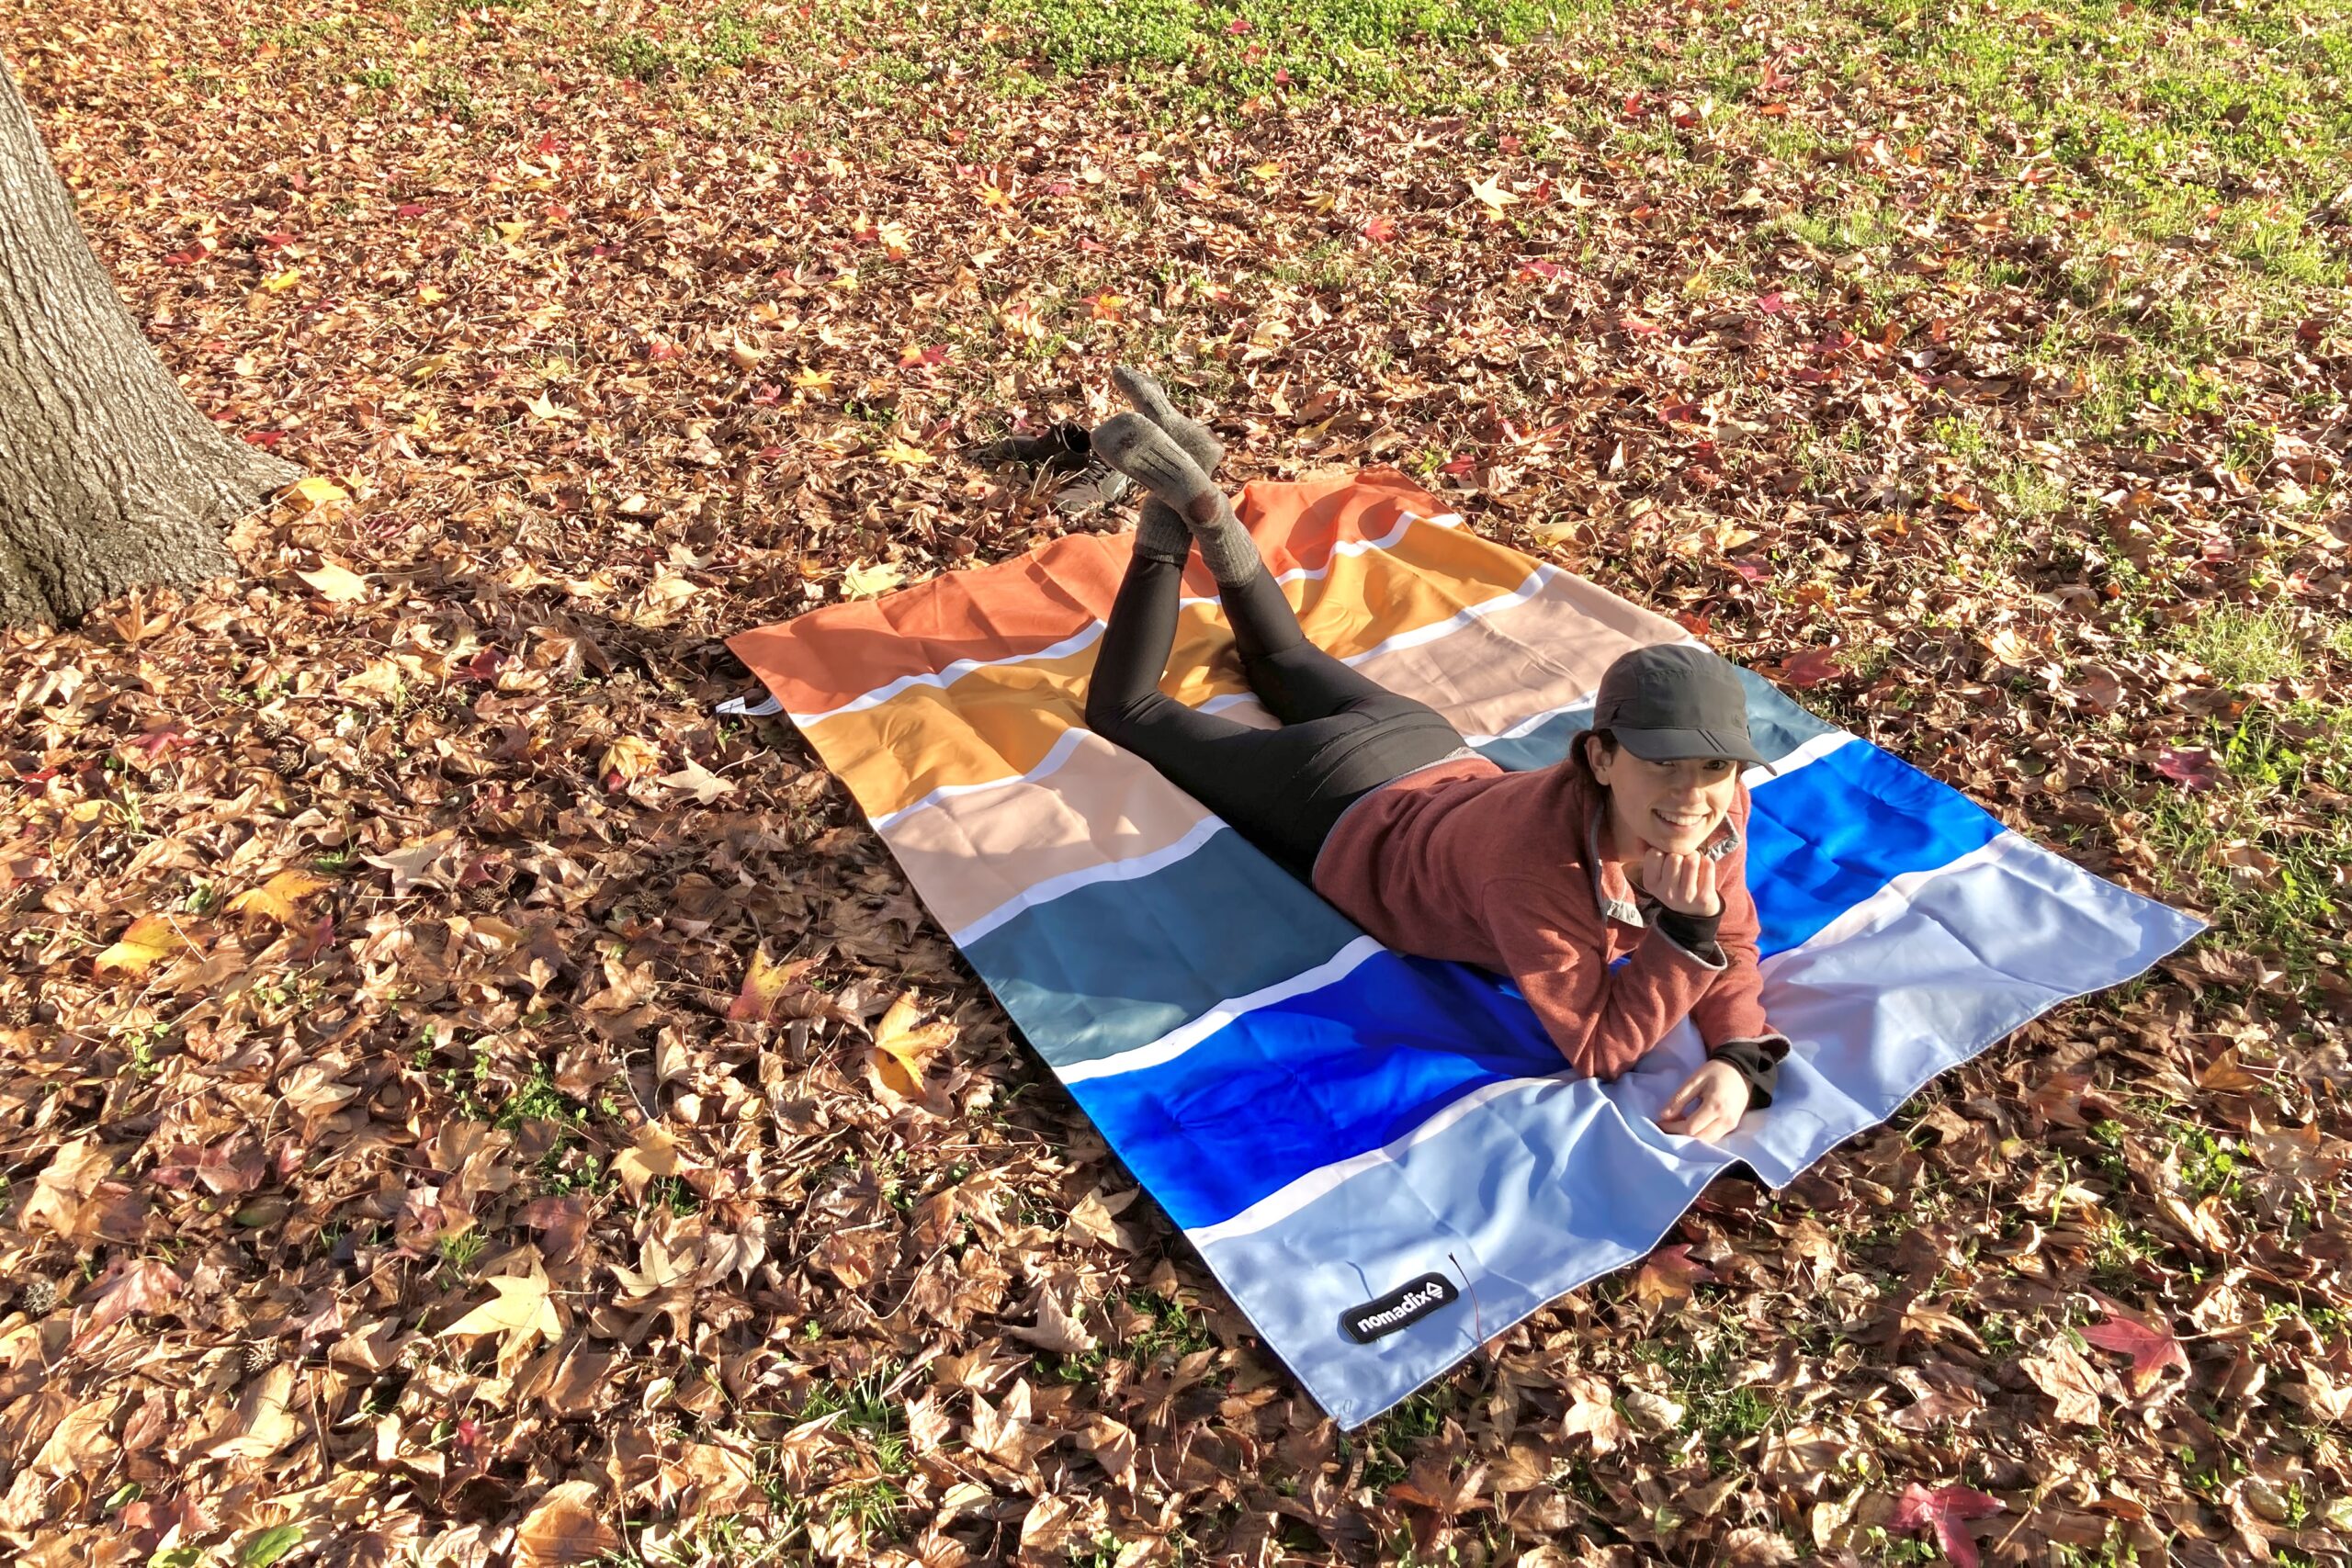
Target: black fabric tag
[1400,1308]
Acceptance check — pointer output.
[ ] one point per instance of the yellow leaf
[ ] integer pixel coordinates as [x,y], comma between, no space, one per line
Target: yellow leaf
[994,195]
[512,232]
[522,1308]
[863,581]
[338,584]
[813,380]
[1267,171]
[1106,305]
[899,452]
[652,1155]
[276,899]
[313,491]
[150,937]
[543,407]
[1490,192]
[633,757]
[906,1050]
[896,241]
[280,282]
[428,295]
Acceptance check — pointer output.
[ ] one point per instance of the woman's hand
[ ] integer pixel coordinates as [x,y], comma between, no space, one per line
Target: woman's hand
[1683,883]
[1709,1104]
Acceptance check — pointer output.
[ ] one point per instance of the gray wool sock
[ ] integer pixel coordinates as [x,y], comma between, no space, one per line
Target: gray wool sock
[1151,399]
[1162,535]
[1139,448]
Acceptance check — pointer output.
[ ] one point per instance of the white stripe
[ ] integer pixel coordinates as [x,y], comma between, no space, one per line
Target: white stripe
[1813,751]
[1061,751]
[1528,726]
[1278,1205]
[955,671]
[1176,1042]
[1884,905]
[1054,887]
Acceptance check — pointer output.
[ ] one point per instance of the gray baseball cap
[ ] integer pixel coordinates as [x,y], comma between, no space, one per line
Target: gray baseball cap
[1676,700]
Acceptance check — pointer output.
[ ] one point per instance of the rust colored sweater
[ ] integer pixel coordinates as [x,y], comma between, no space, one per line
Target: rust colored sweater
[1463,861]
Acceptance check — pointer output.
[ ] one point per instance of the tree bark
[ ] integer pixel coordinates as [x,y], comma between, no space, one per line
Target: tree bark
[110,477]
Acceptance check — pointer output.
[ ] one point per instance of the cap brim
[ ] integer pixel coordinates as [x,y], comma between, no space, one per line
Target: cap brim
[1674,745]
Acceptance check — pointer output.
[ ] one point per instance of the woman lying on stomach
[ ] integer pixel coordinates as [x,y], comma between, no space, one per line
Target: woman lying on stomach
[1611,885]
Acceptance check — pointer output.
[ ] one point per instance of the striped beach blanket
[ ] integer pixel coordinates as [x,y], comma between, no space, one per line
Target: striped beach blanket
[1378,1155]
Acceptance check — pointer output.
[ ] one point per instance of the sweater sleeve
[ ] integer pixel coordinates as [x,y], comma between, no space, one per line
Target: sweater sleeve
[1730,1017]
[1603,1020]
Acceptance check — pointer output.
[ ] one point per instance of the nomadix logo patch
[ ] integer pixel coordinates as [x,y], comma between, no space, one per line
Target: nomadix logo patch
[1400,1308]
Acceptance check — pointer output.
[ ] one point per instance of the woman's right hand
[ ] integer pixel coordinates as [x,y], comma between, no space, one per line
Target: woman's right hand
[1683,883]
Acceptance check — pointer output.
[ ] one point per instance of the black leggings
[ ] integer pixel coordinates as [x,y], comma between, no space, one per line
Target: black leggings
[1341,736]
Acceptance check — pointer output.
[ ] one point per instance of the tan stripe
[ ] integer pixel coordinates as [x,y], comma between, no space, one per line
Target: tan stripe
[1509,666]
[971,853]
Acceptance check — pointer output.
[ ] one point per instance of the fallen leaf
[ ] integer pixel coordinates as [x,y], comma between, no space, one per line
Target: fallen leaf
[1491,195]
[313,491]
[766,983]
[563,1529]
[697,780]
[150,937]
[1592,1411]
[907,1049]
[1945,1509]
[2192,767]
[337,585]
[276,899]
[520,1310]
[654,1154]
[2151,1350]
[865,579]
[2070,1381]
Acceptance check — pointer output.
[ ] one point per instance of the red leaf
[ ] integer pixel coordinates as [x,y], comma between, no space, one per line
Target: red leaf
[1460,466]
[1282,76]
[1771,304]
[409,209]
[1237,27]
[1948,1508]
[1381,229]
[1542,269]
[1811,667]
[2191,766]
[2151,1350]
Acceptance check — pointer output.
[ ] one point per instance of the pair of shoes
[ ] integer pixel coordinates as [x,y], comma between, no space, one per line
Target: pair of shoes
[1065,453]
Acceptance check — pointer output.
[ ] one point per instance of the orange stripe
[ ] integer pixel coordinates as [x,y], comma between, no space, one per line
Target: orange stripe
[999,721]
[819,660]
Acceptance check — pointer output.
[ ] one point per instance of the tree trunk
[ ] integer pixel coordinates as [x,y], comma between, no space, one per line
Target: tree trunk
[109,475]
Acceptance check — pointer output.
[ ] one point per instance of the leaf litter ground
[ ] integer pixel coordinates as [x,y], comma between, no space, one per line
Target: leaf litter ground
[466,1100]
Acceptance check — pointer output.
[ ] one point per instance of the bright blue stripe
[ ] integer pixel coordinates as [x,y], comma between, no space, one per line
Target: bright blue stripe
[1288,1088]
[1110,965]
[1318,1078]
[1830,834]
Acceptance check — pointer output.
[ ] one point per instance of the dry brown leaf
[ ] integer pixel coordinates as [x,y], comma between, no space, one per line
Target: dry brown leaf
[2071,1382]
[563,1528]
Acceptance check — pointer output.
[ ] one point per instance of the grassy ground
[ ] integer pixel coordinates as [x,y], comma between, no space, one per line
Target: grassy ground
[1979,368]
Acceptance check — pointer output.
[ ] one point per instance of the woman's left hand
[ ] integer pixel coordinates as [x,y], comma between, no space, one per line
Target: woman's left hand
[1709,1104]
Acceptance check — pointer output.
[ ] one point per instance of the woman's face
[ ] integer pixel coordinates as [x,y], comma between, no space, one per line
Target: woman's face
[1675,807]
